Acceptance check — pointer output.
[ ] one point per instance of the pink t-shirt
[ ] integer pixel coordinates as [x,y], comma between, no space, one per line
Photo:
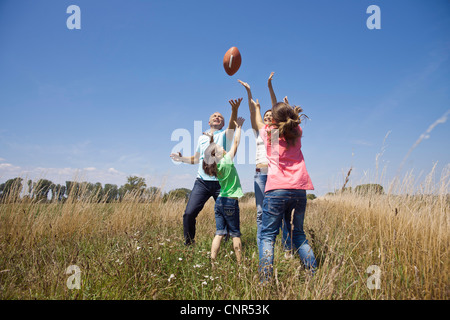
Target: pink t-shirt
[287,169]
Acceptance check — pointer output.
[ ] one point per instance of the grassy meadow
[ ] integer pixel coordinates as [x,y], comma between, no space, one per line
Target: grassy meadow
[135,250]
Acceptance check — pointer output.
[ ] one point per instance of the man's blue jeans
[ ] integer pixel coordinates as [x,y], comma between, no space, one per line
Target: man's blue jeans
[279,204]
[200,193]
[260,186]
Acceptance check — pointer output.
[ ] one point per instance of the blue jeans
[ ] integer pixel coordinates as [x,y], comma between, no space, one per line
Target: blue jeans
[227,217]
[278,204]
[260,186]
[200,193]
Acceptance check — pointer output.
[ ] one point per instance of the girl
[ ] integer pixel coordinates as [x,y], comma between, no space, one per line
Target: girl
[287,181]
[260,177]
[219,163]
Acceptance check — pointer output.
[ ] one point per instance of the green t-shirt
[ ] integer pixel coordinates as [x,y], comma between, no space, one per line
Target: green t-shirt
[230,185]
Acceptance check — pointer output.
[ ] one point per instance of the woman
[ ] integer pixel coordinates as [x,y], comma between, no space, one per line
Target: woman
[261,161]
[286,186]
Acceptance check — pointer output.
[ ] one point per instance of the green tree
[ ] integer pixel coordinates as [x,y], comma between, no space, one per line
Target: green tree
[370,188]
[58,192]
[41,189]
[111,191]
[11,189]
[121,193]
[153,193]
[177,194]
[135,185]
[311,196]
[72,189]
[98,192]
[30,186]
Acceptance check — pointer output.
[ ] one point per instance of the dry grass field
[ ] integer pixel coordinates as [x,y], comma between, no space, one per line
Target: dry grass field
[368,247]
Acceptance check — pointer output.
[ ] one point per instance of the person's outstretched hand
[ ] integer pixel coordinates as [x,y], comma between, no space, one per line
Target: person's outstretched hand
[235,103]
[239,122]
[176,156]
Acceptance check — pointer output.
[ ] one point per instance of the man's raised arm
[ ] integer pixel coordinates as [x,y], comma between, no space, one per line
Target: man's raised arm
[234,112]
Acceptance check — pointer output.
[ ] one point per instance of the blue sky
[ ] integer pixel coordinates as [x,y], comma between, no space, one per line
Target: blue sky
[102,102]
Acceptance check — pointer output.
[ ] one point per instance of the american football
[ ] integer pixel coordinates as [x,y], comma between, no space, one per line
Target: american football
[232,61]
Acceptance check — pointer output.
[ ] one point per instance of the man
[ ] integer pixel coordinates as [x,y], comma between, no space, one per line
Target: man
[206,186]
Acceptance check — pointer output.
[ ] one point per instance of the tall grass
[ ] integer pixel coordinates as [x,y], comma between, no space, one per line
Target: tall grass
[134,250]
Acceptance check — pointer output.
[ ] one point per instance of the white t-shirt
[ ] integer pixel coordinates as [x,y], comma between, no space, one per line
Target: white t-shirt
[261,154]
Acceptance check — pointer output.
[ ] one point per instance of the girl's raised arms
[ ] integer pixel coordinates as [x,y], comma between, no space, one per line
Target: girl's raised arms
[237,137]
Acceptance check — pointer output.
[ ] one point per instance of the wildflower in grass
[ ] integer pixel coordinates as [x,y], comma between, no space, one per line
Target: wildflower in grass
[172,276]
[204,283]
[181,259]
[137,248]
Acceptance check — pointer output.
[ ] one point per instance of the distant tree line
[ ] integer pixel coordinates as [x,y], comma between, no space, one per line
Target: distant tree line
[136,188]
[44,190]
[363,189]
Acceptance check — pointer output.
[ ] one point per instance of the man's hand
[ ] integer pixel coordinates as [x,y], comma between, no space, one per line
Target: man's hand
[177,157]
[235,104]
